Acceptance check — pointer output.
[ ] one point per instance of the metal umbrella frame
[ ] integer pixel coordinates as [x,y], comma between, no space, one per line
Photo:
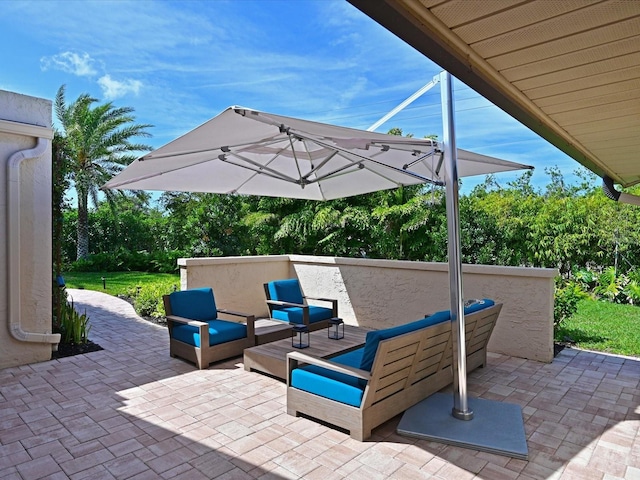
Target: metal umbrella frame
[246,151]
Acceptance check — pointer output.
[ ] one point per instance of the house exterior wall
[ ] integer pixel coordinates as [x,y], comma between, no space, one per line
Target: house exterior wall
[382,293]
[22,120]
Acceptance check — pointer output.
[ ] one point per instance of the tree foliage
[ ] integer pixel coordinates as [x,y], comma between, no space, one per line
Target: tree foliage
[97,145]
[564,226]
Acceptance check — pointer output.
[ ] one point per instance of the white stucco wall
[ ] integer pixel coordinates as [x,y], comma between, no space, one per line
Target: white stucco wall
[237,282]
[383,293]
[22,120]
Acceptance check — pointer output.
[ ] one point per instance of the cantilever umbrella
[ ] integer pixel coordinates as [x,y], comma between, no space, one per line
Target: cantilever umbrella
[245,151]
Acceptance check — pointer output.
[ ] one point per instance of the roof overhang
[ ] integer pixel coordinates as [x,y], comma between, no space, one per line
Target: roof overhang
[570,71]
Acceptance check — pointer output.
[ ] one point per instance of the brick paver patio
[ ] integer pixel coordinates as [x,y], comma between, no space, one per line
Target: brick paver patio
[132,412]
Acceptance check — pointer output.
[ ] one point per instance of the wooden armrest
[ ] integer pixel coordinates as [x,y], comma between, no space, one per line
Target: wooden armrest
[334,303]
[250,318]
[186,321]
[286,304]
[323,299]
[328,364]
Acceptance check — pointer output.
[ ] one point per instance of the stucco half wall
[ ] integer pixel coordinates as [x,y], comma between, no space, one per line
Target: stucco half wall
[26,312]
[383,293]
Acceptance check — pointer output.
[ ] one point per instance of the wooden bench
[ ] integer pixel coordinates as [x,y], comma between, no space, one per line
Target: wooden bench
[406,369]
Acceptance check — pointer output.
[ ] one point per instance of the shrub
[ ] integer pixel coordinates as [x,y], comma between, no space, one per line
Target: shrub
[566,300]
[123,260]
[147,300]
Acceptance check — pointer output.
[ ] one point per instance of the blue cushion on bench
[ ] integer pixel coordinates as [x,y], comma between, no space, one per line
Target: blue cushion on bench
[476,305]
[348,389]
[220,331]
[329,384]
[194,304]
[294,314]
[374,337]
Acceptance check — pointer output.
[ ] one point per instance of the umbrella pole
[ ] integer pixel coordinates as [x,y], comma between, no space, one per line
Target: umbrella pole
[461,408]
[499,427]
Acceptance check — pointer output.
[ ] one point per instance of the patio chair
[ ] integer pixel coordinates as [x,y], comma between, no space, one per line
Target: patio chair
[197,334]
[287,304]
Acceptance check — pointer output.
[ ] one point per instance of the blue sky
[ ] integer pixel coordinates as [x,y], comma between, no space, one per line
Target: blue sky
[180,63]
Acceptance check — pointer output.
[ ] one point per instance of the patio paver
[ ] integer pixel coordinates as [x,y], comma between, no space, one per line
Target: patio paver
[131,411]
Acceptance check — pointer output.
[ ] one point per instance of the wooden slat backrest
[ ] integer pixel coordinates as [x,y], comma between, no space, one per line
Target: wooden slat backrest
[478,328]
[404,360]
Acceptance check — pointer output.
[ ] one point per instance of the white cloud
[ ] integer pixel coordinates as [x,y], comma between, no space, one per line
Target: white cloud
[115,89]
[80,64]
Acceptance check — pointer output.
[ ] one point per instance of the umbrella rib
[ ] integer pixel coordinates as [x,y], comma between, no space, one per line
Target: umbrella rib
[358,165]
[258,168]
[320,165]
[264,141]
[158,174]
[365,158]
[295,158]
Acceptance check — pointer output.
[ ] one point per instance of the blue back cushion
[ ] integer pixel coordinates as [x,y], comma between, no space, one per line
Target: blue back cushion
[475,305]
[373,338]
[285,290]
[194,304]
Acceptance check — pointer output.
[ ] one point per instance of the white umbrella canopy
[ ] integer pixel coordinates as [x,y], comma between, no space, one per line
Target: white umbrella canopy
[245,151]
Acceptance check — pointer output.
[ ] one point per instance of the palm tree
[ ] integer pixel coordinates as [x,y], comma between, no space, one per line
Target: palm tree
[98,146]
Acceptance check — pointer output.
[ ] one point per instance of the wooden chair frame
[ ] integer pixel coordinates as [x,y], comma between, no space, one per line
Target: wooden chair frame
[305,309]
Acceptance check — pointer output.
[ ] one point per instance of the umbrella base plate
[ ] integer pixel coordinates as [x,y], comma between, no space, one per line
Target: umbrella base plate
[496,427]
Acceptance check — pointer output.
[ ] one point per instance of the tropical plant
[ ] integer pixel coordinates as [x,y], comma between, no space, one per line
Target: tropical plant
[610,285]
[74,326]
[98,145]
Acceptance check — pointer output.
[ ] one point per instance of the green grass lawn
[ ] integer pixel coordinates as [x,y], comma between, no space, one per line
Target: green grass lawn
[120,283]
[604,327]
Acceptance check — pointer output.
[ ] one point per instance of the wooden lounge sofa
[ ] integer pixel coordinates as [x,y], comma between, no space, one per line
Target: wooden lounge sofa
[397,368]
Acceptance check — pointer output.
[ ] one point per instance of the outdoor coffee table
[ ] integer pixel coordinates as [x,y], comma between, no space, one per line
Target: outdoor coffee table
[271,358]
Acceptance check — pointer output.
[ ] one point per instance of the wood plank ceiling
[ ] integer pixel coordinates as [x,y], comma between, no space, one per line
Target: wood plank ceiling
[568,69]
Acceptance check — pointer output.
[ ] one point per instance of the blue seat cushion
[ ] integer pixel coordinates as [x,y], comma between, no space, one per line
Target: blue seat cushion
[194,304]
[294,314]
[373,338]
[220,331]
[329,384]
[286,291]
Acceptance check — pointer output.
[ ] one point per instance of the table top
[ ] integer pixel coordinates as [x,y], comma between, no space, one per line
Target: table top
[319,343]
[271,357]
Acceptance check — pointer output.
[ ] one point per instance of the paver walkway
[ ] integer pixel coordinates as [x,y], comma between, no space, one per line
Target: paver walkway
[132,412]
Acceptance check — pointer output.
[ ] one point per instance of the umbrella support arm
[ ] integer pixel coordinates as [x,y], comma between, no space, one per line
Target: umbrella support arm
[408,101]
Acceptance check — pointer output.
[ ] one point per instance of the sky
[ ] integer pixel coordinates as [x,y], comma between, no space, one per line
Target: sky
[180,63]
